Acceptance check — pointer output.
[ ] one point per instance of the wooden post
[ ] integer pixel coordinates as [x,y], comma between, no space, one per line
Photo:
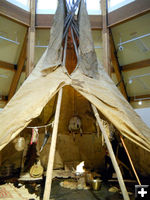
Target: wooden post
[129,157]
[105,37]
[112,155]
[49,172]
[31,40]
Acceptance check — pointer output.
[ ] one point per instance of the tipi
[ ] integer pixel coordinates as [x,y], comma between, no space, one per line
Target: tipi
[89,79]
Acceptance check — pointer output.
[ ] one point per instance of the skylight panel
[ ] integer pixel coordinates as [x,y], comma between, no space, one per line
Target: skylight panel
[46,6]
[24,4]
[93,7]
[49,6]
[115,4]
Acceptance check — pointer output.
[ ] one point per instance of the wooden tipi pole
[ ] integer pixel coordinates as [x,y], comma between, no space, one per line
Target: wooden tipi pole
[112,155]
[129,157]
[49,172]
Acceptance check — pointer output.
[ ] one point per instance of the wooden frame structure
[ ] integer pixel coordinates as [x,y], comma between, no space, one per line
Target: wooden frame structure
[30,60]
[116,17]
[7,66]
[121,15]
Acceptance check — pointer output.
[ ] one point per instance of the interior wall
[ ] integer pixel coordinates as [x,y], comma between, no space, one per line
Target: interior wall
[71,146]
[140,158]
[86,148]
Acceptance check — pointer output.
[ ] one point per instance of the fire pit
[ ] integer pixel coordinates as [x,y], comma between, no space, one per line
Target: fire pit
[82,179]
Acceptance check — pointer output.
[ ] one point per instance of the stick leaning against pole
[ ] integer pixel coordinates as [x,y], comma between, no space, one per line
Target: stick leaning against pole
[49,172]
[112,155]
[130,160]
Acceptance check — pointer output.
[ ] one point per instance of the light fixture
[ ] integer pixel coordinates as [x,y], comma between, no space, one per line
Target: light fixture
[140,102]
[121,48]
[97,47]
[131,78]
[41,46]
[133,39]
[9,40]
[130,81]
[3,76]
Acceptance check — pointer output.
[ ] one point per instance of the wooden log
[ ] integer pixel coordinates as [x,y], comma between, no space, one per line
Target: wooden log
[112,155]
[49,172]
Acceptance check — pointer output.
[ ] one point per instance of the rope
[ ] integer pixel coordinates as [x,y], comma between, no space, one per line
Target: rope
[44,126]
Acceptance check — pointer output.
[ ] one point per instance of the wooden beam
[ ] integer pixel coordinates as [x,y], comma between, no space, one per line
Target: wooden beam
[44,21]
[117,69]
[136,65]
[20,65]
[31,40]
[128,12]
[145,97]
[7,66]
[105,38]
[14,13]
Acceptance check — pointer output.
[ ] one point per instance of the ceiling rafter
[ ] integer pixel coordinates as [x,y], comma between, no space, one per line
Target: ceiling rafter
[116,66]
[145,97]
[20,65]
[136,65]
[14,13]
[116,17]
[8,66]
[128,12]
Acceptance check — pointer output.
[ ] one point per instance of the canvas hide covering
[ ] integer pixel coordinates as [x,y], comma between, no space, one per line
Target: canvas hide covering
[89,79]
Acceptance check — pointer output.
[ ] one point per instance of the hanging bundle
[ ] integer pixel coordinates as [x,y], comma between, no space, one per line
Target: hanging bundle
[35,135]
[109,130]
[20,144]
[47,134]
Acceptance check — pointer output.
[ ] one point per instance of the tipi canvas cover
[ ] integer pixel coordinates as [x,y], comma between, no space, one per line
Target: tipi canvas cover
[89,79]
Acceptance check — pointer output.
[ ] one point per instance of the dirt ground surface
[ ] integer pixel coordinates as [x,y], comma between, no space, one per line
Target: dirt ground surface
[60,193]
